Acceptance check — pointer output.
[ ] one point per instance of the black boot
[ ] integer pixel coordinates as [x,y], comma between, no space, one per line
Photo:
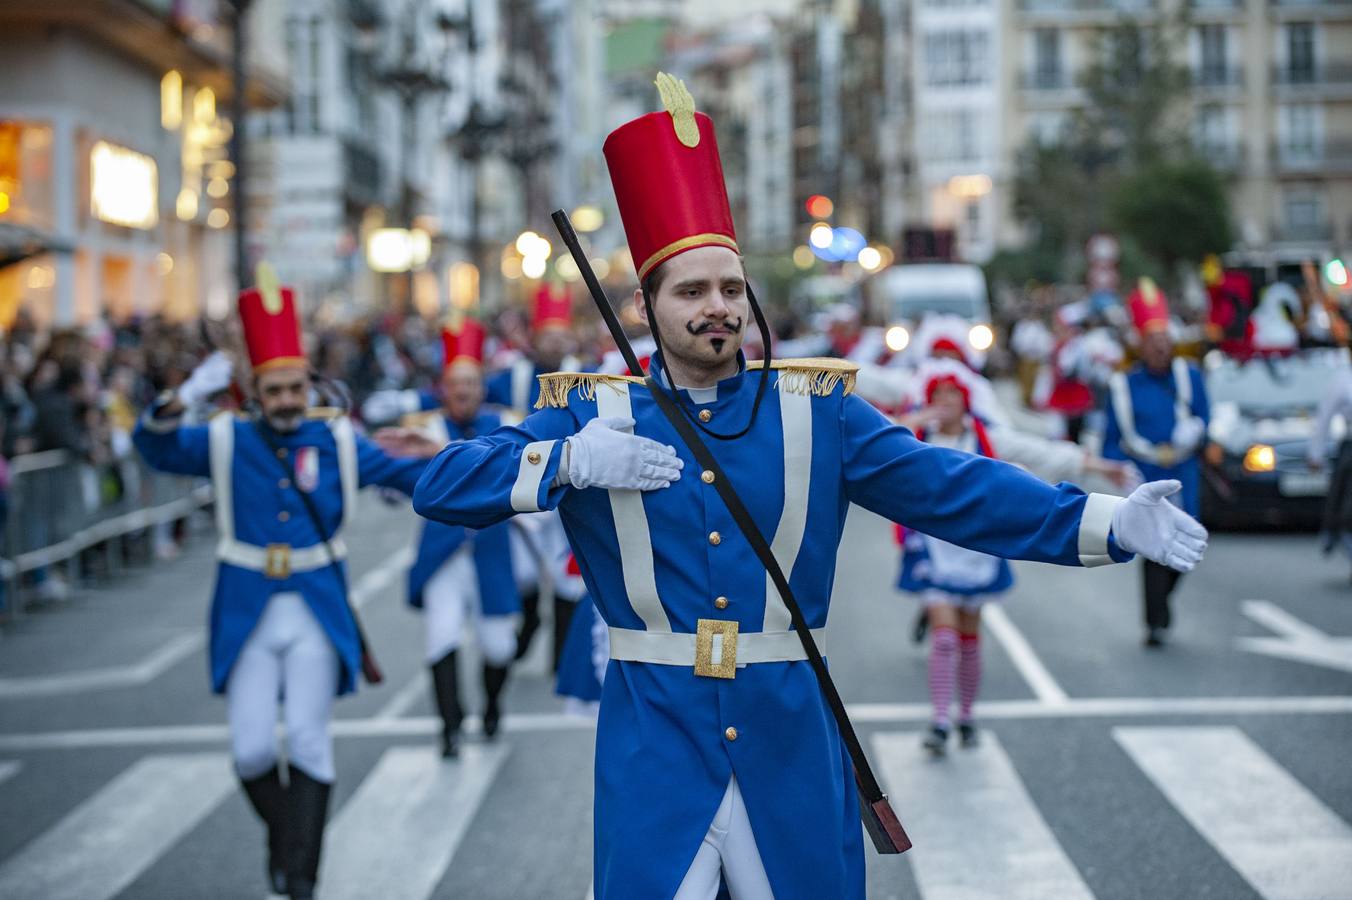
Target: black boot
[267,795]
[495,678]
[446,692]
[308,807]
[530,621]
[563,618]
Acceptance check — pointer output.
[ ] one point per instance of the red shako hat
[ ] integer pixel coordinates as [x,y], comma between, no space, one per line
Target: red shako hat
[553,307]
[668,181]
[271,324]
[464,343]
[1149,307]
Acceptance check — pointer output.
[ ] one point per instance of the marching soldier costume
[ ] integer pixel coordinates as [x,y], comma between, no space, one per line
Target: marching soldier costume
[1157,418]
[459,572]
[716,754]
[281,625]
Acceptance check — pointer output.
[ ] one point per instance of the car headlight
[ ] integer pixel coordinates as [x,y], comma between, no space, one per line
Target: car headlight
[981,337]
[1260,458]
[897,337]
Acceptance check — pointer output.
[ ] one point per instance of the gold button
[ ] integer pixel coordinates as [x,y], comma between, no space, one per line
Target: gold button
[281,453]
[715,538]
[705,415]
[284,483]
[721,602]
[283,516]
[707,476]
[533,458]
[731,733]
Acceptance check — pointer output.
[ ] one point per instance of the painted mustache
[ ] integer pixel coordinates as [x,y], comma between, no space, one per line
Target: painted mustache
[731,327]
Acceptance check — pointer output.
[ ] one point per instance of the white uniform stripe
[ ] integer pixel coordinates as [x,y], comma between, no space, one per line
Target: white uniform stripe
[1096,522]
[1264,822]
[348,474]
[796,412]
[8,769]
[631,526]
[526,488]
[106,842]
[977,832]
[399,832]
[221,438]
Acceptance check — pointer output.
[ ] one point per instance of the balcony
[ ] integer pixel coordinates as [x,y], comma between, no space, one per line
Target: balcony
[1328,75]
[1215,6]
[1301,158]
[1226,156]
[1045,80]
[361,172]
[1217,77]
[1302,232]
[1070,12]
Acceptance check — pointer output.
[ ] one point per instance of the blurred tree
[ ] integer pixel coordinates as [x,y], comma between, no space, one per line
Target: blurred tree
[1178,212]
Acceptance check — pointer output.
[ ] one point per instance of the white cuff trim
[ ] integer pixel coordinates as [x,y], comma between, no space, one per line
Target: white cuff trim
[534,462]
[1096,521]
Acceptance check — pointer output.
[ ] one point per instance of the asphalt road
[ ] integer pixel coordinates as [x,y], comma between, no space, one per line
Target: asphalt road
[1214,768]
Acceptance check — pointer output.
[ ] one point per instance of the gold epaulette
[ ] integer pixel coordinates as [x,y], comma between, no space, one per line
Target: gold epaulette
[555,387]
[324,413]
[418,419]
[816,376]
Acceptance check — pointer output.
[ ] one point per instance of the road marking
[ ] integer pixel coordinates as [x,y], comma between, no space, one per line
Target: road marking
[107,841]
[173,651]
[1261,819]
[869,713]
[1298,640]
[405,697]
[977,832]
[1044,686]
[399,832]
[8,769]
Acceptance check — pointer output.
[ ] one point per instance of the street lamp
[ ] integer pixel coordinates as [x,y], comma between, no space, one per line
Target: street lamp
[239,84]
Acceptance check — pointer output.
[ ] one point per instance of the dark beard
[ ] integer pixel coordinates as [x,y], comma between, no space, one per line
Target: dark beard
[285,421]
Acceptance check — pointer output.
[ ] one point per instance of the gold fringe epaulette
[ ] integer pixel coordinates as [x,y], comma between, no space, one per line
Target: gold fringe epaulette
[324,413]
[815,376]
[555,387]
[418,419]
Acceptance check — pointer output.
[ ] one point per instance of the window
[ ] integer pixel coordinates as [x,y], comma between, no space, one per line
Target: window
[1303,210]
[1212,64]
[951,136]
[957,58]
[1046,58]
[1209,129]
[1300,52]
[1300,142]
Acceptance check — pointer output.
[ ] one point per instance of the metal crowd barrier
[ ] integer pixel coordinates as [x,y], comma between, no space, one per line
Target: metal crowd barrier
[60,507]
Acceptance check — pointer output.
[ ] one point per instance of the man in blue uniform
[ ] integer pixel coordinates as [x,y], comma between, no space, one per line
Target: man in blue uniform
[716,754]
[458,572]
[1157,418]
[281,626]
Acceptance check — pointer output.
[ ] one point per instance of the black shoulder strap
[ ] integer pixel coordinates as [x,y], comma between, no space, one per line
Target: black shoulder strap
[870,791]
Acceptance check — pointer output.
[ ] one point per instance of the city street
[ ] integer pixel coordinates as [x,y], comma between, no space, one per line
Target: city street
[1216,767]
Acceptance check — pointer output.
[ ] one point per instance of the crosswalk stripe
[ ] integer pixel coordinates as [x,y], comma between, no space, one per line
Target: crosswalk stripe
[1266,824]
[398,833]
[8,769]
[977,832]
[107,841]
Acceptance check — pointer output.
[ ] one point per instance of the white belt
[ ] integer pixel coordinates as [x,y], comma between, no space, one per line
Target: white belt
[715,650]
[279,560]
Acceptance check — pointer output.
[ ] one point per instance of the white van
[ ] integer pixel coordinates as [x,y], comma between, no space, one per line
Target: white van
[905,294]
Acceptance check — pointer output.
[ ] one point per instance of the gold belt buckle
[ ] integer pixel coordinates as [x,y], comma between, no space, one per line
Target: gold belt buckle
[705,631]
[277,561]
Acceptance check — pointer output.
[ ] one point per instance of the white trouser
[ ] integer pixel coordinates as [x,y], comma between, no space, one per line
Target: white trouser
[451,596]
[729,847]
[288,657]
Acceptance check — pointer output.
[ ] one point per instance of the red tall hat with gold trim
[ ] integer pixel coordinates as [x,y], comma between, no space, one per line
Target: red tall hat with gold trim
[668,181]
[464,344]
[553,307]
[271,324]
[1149,307]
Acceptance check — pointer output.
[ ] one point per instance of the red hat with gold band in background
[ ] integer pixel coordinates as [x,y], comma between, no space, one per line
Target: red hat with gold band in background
[553,307]
[668,181]
[463,343]
[1149,307]
[271,324]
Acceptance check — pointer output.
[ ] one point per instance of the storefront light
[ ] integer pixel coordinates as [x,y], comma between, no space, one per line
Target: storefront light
[171,100]
[389,250]
[218,218]
[164,263]
[186,205]
[588,218]
[217,188]
[4,203]
[124,186]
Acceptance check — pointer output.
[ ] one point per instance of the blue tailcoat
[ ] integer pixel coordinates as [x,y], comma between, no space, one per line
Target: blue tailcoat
[266,512]
[492,549]
[663,762]
[1153,398]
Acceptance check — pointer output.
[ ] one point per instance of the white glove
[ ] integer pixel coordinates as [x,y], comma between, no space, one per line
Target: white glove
[607,454]
[389,405]
[1148,524]
[211,376]
[1187,434]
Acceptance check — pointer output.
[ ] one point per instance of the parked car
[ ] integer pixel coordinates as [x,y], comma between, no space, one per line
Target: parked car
[1254,470]
[906,294]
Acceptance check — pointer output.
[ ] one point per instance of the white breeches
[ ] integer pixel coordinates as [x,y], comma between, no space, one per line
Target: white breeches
[729,847]
[288,657]
[452,596]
